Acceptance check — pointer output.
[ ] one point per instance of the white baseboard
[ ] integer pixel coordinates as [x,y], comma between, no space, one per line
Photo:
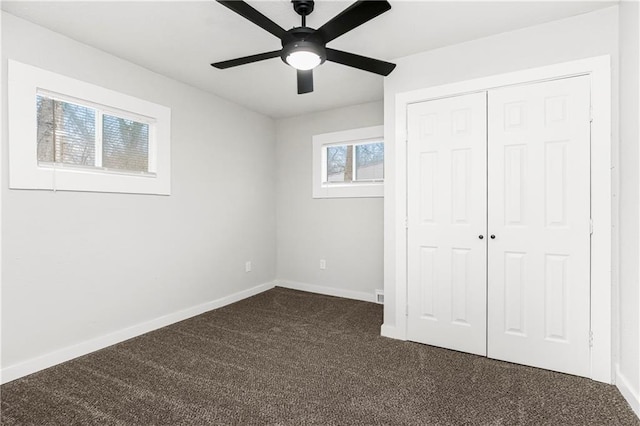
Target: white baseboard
[391,332]
[631,395]
[24,368]
[328,291]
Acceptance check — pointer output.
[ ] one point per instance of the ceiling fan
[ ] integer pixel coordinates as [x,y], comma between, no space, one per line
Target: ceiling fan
[304,48]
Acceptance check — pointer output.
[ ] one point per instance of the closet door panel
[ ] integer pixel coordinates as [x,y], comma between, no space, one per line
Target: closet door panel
[446,216]
[539,214]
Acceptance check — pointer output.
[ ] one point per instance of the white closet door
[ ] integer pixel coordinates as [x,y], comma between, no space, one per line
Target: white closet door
[447,223]
[539,212]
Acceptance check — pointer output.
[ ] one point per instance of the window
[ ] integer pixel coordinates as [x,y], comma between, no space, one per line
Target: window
[367,165]
[66,134]
[349,163]
[70,133]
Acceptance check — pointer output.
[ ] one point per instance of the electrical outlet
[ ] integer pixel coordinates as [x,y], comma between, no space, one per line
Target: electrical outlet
[323,264]
[247,266]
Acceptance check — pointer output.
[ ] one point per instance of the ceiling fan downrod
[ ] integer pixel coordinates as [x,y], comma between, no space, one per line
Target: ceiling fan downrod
[303,8]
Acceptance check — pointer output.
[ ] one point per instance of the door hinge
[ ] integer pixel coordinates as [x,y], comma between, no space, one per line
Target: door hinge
[406,311]
[406,223]
[590,114]
[590,339]
[590,226]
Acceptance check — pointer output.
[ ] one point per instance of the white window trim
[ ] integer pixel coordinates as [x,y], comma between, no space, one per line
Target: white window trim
[349,189]
[25,81]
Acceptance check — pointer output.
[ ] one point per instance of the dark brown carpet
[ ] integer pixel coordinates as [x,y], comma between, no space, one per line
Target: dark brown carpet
[292,358]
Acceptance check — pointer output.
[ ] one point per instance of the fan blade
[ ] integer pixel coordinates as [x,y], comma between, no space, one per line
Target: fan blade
[360,62]
[305,81]
[243,9]
[246,60]
[353,16]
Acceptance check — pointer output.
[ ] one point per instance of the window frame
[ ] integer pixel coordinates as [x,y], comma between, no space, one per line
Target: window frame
[355,189]
[26,172]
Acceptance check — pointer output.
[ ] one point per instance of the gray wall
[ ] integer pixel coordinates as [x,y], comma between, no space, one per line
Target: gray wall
[79,265]
[347,232]
[629,294]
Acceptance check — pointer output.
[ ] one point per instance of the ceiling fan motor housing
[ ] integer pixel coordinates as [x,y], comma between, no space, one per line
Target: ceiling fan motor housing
[302,38]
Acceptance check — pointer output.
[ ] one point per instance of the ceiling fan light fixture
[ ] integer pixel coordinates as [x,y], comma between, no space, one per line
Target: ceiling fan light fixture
[303,60]
[303,55]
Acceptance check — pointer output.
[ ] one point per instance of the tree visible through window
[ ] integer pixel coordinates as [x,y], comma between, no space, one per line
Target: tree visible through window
[68,134]
[355,162]
[125,144]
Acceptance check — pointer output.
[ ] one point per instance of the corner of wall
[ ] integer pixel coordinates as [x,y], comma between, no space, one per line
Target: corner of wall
[628,392]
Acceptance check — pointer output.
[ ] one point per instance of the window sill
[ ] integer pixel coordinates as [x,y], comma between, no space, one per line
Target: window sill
[358,190]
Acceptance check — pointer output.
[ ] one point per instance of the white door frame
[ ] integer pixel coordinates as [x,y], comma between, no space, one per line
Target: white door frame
[601,192]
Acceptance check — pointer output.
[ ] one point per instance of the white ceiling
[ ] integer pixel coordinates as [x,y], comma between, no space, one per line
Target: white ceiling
[181,38]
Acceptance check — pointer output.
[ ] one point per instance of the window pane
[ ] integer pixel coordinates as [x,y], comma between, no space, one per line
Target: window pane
[45,128]
[370,161]
[66,132]
[125,144]
[340,163]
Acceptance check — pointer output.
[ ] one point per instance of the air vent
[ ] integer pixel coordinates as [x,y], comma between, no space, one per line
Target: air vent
[380,297]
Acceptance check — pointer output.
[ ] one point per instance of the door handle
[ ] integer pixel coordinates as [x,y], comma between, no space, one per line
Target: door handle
[493,237]
[481,236]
